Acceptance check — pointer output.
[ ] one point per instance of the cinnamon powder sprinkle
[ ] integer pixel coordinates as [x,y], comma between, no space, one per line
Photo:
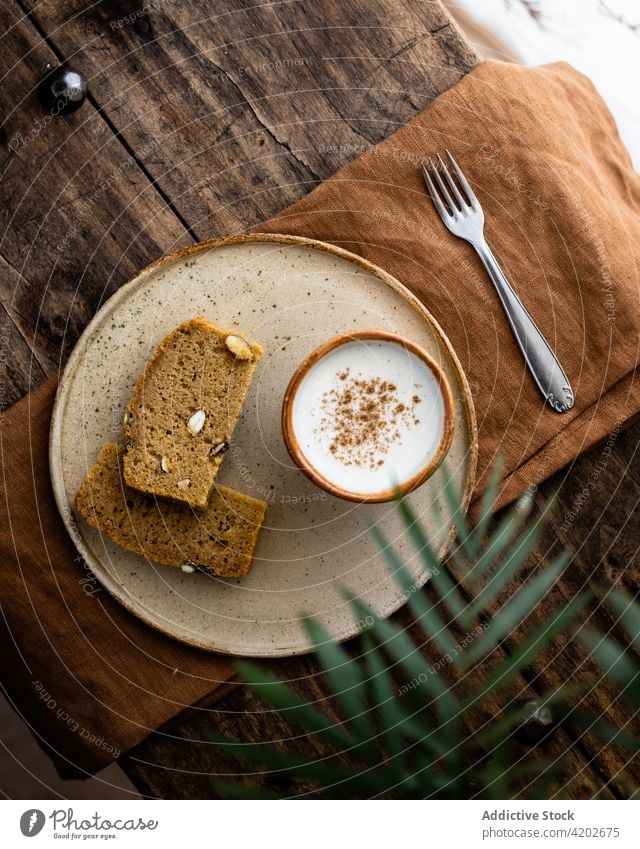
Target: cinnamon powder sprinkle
[364,417]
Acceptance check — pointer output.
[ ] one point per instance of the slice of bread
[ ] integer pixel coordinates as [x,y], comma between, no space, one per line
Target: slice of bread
[183,410]
[221,540]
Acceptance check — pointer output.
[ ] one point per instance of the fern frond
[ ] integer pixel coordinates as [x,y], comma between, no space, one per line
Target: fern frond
[407,730]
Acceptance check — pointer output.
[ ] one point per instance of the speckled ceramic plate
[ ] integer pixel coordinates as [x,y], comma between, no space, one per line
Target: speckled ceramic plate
[290,295]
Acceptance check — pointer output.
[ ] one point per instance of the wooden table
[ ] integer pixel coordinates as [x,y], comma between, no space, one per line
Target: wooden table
[206,119]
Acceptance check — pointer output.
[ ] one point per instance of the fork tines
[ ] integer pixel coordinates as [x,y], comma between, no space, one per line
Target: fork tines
[451,196]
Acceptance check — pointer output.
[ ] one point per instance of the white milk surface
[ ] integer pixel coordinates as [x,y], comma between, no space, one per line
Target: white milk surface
[396,446]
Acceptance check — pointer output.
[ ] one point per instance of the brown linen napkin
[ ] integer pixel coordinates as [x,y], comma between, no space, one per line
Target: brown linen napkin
[562,209]
[561,201]
[90,679]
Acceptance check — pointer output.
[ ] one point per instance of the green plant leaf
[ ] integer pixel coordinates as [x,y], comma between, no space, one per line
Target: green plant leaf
[441,737]
[500,539]
[454,503]
[239,791]
[401,730]
[397,644]
[407,730]
[440,578]
[614,662]
[509,569]
[325,771]
[524,654]
[494,774]
[345,676]
[286,701]
[417,602]
[517,610]
[609,733]
[513,713]
[628,610]
[487,502]
[545,782]
[383,699]
[500,774]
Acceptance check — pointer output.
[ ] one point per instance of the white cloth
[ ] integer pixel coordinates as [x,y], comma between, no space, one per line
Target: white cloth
[601,38]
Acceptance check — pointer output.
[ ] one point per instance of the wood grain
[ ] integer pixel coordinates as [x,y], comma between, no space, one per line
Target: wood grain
[241,109]
[206,120]
[243,716]
[78,216]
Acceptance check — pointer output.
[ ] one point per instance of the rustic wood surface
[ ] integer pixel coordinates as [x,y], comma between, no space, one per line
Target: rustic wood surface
[205,120]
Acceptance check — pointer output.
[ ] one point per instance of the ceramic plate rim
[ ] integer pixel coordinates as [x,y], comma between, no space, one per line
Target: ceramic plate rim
[115,588]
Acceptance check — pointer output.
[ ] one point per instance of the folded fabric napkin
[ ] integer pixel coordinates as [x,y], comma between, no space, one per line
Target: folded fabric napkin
[562,213]
[90,679]
[562,207]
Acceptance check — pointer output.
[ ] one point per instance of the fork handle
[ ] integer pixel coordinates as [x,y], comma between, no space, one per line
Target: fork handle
[543,364]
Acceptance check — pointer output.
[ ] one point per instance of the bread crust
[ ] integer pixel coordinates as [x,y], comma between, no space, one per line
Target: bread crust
[220,540]
[183,410]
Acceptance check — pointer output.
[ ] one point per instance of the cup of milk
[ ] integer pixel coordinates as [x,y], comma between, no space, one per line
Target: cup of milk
[367,415]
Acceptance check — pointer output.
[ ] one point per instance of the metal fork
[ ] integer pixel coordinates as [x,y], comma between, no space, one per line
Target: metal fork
[462,215]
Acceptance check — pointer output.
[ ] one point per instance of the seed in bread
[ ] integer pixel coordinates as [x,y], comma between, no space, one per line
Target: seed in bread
[219,540]
[184,408]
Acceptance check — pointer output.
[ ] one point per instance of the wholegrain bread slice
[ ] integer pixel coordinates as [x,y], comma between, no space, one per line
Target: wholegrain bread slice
[219,540]
[184,408]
